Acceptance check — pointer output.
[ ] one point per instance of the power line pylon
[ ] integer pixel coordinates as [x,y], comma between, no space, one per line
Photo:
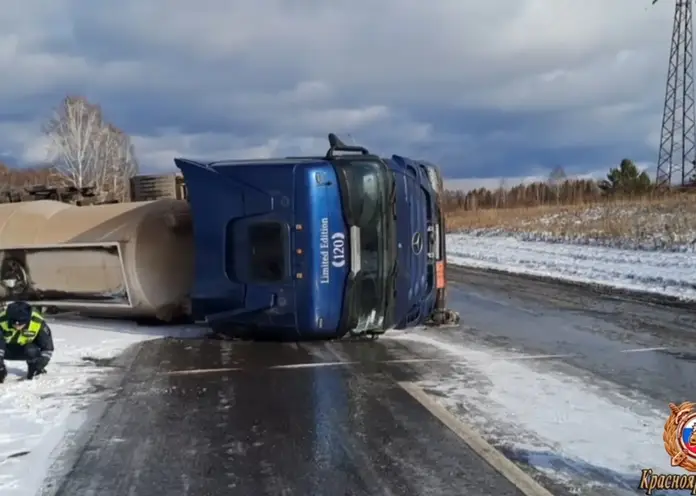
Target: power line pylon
[676,162]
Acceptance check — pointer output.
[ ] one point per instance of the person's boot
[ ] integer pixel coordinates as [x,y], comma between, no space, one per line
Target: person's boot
[31,371]
[3,373]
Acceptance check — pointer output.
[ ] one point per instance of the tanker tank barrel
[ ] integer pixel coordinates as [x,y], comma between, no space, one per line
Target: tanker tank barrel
[131,260]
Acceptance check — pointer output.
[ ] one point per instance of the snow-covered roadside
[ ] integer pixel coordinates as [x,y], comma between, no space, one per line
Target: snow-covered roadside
[668,273]
[36,415]
[573,429]
[685,243]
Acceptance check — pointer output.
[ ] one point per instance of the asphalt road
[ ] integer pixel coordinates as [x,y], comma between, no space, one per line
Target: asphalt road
[638,342]
[277,426]
[208,417]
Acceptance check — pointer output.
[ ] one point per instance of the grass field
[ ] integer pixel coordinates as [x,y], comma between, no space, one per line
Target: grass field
[661,222]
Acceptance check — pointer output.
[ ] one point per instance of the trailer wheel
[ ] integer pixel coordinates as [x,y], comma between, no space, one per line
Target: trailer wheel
[14,277]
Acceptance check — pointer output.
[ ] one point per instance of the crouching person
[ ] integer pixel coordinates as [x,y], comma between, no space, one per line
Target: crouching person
[27,337]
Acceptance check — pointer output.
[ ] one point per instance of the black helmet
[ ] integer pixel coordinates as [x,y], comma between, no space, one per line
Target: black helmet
[18,312]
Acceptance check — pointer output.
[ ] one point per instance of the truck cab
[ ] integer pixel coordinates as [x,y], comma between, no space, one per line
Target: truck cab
[312,247]
[421,241]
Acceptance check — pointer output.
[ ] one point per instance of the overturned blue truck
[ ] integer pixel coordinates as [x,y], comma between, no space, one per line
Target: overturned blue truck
[348,243]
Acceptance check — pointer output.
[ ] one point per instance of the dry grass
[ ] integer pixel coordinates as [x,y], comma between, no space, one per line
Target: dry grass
[671,219]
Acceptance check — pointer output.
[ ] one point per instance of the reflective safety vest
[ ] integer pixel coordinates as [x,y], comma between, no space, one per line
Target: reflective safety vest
[21,337]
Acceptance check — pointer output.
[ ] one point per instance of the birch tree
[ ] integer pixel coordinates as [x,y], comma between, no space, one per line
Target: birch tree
[119,162]
[556,178]
[87,150]
[74,131]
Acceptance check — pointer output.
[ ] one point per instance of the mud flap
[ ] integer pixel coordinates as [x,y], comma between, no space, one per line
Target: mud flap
[67,274]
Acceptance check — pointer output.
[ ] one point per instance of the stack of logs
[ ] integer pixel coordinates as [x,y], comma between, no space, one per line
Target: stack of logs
[65,194]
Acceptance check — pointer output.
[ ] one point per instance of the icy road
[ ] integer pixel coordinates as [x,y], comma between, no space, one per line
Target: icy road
[566,381]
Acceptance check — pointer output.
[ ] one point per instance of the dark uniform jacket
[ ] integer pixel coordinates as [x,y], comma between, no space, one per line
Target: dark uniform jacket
[36,335]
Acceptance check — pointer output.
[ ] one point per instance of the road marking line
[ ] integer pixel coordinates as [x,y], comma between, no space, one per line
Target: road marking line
[202,371]
[642,350]
[312,365]
[272,367]
[518,477]
[414,360]
[460,361]
[396,361]
[533,357]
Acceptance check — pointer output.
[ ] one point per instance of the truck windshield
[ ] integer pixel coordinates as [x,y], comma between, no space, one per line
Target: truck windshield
[365,190]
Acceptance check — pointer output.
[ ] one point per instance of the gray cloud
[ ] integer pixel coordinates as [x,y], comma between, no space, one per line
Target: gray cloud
[506,89]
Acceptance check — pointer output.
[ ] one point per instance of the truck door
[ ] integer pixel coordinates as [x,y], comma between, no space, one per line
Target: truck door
[241,218]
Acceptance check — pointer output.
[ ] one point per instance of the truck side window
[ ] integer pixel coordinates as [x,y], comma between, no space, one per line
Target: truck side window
[267,251]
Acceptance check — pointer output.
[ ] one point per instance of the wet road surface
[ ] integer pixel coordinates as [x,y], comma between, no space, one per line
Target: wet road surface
[645,347]
[274,421]
[209,417]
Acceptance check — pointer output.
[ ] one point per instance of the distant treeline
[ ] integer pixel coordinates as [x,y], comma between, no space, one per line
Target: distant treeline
[624,182]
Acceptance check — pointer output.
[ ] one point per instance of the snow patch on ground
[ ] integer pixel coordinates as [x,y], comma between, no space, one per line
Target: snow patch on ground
[667,273]
[577,433]
[685,243]
[36,415]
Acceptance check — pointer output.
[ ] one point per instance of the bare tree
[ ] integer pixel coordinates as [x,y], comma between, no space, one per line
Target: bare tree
[120,162]
[556,178]
[74,132]
[89,151]
[501,194]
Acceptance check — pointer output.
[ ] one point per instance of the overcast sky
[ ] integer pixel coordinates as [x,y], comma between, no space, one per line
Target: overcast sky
[487,89]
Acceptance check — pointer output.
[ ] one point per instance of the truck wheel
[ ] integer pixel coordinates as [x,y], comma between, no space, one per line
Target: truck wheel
[451,317]
[444,317]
